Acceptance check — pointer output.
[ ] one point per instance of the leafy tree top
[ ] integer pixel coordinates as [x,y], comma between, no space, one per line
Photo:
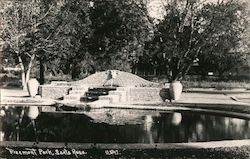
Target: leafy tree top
[192,27]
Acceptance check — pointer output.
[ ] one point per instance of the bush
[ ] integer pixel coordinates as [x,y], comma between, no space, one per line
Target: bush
[10,80]
[196,82]
[48,79]
[216,85]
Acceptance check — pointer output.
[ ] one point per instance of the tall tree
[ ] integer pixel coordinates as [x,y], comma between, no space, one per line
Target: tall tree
[120,29]
[73,38]
[224,50]
[25,34]
[191,28]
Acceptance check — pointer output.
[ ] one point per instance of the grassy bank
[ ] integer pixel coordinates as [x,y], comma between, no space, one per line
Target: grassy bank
[217,85]
[10,80]
[208,83]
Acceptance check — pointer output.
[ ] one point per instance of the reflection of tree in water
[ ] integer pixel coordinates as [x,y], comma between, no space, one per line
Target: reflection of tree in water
[15,124]
[198,127]
[80,128]
[219,128]
[2,114]
[149,128]
[238,127]
[148,124]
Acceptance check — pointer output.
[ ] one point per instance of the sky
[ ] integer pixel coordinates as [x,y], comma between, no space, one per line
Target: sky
[156,10]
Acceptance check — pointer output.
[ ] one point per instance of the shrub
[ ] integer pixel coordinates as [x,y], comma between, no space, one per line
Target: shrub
[216,85]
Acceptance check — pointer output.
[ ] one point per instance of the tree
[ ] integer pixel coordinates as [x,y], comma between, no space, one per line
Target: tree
[191,28]
[24,32]
[225,50]
[120,29]
[72,40]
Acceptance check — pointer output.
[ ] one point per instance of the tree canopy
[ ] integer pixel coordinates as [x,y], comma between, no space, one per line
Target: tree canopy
[26,34]
[120,29]
[192,30]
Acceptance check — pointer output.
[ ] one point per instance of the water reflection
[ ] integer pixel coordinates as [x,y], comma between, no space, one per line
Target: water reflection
[2,114]
[33,113]
[118,126]
[148,124]
[176,118]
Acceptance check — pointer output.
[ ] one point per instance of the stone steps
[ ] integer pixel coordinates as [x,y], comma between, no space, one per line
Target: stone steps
[89,98]
[102,89]
[78,92]
[79,88]
[75,97]
[121,95]
[110,98]
[97,95]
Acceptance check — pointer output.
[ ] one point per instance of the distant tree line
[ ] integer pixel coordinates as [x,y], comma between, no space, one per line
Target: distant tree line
[81,37]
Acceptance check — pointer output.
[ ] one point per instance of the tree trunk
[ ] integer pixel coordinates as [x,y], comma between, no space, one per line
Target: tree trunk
[203,73]
[41,72]
[155,72]
[136,69]
[74,72]
[132,68]
[29,67]
[24,84]
[221,74]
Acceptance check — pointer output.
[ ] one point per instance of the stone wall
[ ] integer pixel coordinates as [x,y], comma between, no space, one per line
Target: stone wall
[53,91]
[126,94]
[142,94]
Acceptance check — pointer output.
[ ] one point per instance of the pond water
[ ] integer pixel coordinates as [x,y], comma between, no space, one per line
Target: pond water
[119,126]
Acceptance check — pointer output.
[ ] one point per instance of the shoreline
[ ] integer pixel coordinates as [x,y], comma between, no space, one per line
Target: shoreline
[206,102]
[193,145]
[221,102]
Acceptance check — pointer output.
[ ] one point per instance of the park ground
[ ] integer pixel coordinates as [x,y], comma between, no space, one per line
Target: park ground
[236,101]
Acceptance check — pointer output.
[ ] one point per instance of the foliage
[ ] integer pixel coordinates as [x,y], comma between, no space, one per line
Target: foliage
[191,29]
[120,29]
[90,38]
[217,85]
[72,40]
[26,34]
[221,53]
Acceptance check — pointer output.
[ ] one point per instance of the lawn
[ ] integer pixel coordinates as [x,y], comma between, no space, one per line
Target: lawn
[217,85]
[11,80]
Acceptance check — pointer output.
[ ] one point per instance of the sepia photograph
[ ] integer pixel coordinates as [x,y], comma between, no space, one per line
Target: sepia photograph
[125,79]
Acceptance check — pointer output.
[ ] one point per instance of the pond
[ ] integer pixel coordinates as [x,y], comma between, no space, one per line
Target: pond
[119,126]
